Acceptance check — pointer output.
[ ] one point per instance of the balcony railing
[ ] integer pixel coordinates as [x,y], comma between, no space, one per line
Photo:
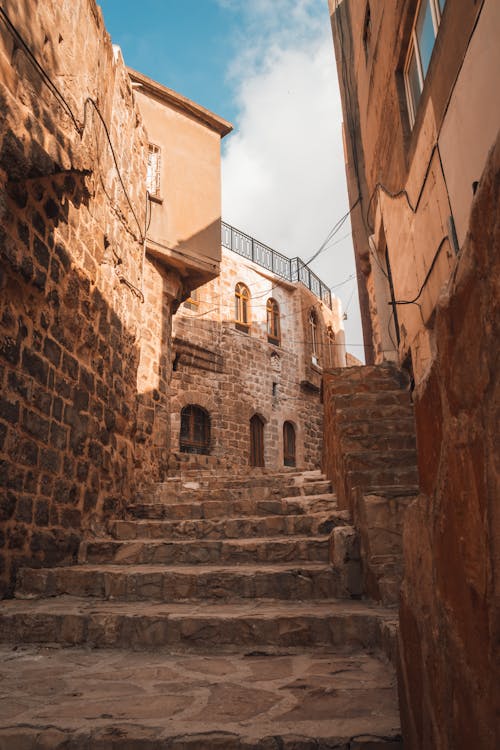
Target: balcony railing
[291,269]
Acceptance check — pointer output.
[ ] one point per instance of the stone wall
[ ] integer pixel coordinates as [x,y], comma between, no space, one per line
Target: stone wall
[449,616]
[70,277]
[234,375]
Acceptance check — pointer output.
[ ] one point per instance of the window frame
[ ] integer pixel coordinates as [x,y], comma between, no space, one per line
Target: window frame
[193,445]
[242,310]
[273,322]
[192,303]
[413,50]
[313,329]
[153,178]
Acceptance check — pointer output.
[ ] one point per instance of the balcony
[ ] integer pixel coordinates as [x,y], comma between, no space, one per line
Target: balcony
[290,269]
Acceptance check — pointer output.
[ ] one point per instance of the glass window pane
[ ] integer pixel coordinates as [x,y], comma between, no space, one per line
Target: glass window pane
[414,82]
[424,30]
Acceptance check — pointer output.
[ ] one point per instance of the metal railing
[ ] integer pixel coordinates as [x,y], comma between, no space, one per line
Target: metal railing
[291,269]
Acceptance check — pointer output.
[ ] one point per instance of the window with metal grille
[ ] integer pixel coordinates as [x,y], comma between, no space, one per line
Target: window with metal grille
[423,37]
[273,322]
[242,308]
[289,444]
[153,172]
[195,430]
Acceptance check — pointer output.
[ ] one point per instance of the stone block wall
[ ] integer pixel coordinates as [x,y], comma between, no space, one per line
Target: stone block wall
[234,375]
[71,311]
[449,614]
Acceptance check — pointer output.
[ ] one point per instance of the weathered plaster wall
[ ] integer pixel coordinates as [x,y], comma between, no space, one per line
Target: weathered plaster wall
[231,374]
[449,616]
[71,250]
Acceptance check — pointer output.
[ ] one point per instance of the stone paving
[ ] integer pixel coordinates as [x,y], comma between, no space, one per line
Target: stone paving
[82,699]
[219,625]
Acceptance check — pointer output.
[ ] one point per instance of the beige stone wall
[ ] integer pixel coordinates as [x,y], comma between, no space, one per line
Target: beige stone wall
[411,179]
[231,373]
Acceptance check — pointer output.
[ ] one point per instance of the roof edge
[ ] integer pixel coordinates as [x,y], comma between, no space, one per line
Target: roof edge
[169,96]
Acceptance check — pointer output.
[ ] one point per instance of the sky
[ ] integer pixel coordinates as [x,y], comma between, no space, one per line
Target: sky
[268,67]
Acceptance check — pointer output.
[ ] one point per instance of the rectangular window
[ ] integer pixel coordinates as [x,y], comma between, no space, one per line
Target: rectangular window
[423,37]
[192,301]
[153,173]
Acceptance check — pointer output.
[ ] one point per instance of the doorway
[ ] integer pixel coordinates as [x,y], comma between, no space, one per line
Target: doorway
[256,441]
[289,444]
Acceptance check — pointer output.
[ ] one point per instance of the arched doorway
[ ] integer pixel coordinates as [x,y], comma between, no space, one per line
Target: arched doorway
[256,441]
[195,430]
[289,455]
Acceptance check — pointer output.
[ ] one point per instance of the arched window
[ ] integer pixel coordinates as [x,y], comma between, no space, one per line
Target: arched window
[273,322]
[242,308]
[313,333]
[195,430]
[289,458]
[256,441]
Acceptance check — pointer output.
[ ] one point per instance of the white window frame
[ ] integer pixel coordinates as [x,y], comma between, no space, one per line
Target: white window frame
[154,170]
[414,49]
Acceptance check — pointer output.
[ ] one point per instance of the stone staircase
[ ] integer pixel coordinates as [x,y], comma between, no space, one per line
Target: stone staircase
[370,454]
[208,618]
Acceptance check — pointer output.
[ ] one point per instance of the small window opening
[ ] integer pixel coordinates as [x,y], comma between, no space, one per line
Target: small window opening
[275,389]
[313,332]
[153,171]
[192,302]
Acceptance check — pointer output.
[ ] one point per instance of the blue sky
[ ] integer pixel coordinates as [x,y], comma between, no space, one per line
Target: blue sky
[268,67]
[180,43]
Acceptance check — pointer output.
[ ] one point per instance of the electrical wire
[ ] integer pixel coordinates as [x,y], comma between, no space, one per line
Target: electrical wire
[333,231]
[79,127]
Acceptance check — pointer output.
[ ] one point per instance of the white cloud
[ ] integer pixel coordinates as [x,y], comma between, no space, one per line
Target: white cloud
[283,168]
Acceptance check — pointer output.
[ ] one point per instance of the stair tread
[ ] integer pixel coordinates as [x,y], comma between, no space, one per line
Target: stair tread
[203,701]
[289,539]
[266,608]
[240,568]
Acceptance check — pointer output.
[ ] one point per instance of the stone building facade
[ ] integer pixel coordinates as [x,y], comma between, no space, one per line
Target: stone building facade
[421,134]
[260,363]
[85,302]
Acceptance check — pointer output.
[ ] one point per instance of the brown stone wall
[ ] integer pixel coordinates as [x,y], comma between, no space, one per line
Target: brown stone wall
[449,617]
[70,278]
[231,373]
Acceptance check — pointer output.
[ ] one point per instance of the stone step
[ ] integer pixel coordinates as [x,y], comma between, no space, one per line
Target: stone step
[104,700]
[195,491]
[212,509]
[379,441]
[370,399]
[189,552]
[195,626]
[394,460]
[378,415]
[368,377]
[384,476]
[157,583]
[229,528]
[366,428]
